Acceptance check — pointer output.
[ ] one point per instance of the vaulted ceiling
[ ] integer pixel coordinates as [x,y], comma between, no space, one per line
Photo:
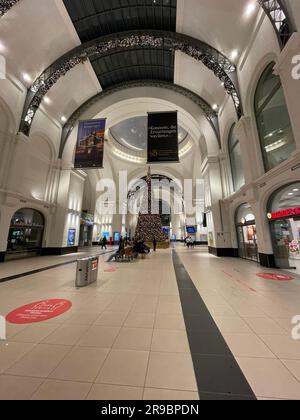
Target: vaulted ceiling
[49,29]
[96,18]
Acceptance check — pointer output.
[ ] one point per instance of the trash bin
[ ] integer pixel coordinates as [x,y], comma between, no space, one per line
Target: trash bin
[87,271]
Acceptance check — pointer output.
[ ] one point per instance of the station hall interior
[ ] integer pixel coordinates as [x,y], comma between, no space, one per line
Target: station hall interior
[150,200]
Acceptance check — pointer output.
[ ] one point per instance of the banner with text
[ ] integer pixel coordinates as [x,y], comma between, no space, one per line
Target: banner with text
[163,137]
[90,144]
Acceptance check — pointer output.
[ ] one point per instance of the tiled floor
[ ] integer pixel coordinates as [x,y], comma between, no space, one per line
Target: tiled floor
[125,337]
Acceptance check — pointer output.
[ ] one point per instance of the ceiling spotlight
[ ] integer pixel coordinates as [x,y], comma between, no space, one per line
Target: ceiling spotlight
[26,77]
[63,119]
[251,7]
[2,47]
[47,100]
[234,54]
[215,107]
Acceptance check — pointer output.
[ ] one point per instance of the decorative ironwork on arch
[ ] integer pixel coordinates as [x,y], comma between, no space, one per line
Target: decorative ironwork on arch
[6,5]
[210,114]
[220,65]
[278,15]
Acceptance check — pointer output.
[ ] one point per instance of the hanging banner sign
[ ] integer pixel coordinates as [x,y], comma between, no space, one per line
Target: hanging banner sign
[163,137]
[39,311]
[90,144]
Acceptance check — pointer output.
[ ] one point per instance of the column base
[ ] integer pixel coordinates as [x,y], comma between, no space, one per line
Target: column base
[267,260]
[224,252]
[59,251]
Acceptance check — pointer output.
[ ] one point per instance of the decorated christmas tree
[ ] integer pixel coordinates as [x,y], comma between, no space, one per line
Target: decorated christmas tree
[149,225]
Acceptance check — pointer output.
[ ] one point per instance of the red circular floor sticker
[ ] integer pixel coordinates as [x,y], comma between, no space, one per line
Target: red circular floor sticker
[39,311]
[110,270]
[275,277]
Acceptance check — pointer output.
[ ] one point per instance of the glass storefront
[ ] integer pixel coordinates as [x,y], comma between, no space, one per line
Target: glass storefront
[86,230]
[246,233]
[25,234]
[284,216]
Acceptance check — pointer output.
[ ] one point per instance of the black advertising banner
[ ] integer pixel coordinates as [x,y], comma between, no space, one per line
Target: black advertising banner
[163,137]
[90,144]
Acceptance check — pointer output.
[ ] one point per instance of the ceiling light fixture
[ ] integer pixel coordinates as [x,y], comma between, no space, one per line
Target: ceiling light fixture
[26,77]
[234,54]
[250,8]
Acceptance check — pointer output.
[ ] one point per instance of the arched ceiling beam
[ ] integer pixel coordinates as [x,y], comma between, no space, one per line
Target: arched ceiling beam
[6,5]
[281,22]
[220,65]
[209,113]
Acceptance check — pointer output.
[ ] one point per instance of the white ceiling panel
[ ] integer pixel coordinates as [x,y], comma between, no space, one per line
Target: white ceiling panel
[194,76]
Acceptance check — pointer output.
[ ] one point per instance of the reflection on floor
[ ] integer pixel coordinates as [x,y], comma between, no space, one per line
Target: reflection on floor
[125,337]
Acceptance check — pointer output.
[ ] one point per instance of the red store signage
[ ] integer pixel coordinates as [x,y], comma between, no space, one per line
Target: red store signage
[283,214]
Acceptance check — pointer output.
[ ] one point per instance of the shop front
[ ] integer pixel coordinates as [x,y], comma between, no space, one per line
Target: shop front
[25,234]
[284,217]
[246,233]
[86,230]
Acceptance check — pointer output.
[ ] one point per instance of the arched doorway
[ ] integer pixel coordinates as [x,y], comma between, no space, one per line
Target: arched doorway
[284,216]
[25,234]
[246,233]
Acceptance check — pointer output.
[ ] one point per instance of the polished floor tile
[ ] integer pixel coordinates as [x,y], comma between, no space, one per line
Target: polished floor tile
[140,320]
[133,334]
[172,341]
[134,339]
[270,379]
[18,387]
[284,347]
[124,367]
[98,336]
[66,335]
[11,352]
[62,390]
[171,371]
[100,392]
[40,361]
[248,345]
[81,365]
[152,394]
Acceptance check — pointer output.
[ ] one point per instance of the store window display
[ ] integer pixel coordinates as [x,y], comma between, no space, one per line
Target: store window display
[284,217]
[25,234]
[246,233]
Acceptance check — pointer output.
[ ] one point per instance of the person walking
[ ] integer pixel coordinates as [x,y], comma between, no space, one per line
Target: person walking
[154,244]
[104,243]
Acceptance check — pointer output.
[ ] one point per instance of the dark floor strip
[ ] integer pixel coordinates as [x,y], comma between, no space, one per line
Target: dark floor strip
[40,270]
[218,375]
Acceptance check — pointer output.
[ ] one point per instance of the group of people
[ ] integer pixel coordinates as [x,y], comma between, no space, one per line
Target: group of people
[140,246]
[189,242]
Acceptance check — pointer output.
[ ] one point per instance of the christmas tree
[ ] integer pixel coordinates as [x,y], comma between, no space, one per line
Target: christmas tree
[149,225]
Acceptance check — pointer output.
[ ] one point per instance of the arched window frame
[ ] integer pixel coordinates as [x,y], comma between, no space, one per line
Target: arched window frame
[232,144]
[258,110]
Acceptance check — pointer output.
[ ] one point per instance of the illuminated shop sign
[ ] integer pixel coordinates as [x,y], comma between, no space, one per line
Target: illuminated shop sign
[282,214]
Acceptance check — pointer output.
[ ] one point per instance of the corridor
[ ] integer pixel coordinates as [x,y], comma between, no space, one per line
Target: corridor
[178,325]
